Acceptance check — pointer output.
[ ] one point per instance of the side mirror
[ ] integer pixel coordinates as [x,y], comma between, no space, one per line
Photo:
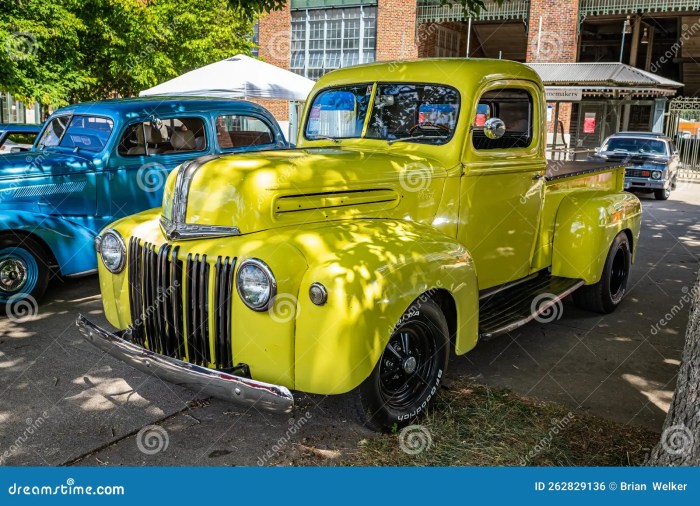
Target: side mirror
[597,149]
[494,128]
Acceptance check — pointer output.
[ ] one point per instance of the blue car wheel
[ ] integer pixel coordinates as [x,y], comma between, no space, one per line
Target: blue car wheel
[23,270]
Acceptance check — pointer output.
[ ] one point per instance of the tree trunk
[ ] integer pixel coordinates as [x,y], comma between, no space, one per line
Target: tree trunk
[680,441]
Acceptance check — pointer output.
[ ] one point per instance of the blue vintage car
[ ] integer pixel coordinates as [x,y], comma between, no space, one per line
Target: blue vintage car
[96,162]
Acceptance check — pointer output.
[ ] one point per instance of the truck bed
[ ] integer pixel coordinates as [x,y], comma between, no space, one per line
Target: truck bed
[560,169]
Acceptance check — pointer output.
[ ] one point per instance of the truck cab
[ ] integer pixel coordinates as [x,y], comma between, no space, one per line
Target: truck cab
[417,215]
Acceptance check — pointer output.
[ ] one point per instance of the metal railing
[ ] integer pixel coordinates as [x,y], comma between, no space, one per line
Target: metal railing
[432,11]
[683,126]
[612,7]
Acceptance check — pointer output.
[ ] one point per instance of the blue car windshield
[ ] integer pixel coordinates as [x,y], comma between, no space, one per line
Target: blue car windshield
[89,133]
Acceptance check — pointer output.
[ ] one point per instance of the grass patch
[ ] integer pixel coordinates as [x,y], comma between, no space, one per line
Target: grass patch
[473,425]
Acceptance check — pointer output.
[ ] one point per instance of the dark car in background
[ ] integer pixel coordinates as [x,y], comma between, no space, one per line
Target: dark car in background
[651,160]
[17,137]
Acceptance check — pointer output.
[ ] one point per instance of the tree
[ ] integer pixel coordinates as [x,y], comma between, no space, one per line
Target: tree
[680,441]
[61,51]
[39,57]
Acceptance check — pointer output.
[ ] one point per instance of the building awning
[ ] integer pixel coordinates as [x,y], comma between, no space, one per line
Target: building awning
[613,80]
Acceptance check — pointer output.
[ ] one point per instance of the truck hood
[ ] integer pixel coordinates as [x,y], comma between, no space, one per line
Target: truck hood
[53,162]
[245,193]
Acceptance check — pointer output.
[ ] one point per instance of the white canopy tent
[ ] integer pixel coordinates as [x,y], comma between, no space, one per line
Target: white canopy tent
[239,77]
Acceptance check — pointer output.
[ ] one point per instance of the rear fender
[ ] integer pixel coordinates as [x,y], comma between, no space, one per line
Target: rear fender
[585,226]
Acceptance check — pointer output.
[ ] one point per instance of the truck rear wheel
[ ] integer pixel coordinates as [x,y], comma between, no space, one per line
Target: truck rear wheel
[23,270]
[410,370]
[606,295]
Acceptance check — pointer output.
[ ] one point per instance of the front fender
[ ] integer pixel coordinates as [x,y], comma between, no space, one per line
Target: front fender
[70,243]
[373,270]
[585,226]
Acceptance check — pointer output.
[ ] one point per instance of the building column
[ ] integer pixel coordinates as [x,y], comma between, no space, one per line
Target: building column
[552,31]
[396,30]
[274,39]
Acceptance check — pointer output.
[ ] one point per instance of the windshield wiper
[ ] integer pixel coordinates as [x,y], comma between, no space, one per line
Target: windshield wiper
[326,138]
[416,137]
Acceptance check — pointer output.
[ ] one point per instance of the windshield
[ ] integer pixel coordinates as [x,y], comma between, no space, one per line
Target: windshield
[401,111]
[89,133]
[636,145]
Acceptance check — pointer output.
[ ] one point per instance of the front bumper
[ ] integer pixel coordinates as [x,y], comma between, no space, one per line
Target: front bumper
[241,391]
[632,183]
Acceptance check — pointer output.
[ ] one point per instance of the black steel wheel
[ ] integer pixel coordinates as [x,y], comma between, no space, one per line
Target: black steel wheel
[606,295]
[410,370]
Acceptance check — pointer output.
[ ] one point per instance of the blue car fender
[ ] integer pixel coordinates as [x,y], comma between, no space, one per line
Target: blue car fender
[70,244]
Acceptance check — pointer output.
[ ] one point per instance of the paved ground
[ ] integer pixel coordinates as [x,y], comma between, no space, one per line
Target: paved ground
[62,402]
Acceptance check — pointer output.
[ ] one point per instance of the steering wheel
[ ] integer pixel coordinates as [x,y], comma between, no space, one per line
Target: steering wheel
[429,125]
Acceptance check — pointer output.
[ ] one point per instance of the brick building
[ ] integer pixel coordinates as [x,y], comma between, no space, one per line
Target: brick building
[312,37]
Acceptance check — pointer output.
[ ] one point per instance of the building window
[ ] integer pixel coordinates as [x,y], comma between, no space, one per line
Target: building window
[11,110]
[446,42]
[255,50]
[327,39]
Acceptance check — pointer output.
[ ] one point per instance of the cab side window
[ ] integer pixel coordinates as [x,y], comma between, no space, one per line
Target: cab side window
[514,107]
[166,136]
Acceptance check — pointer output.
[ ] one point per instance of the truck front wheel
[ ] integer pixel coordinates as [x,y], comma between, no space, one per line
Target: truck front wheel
[606,295]
[410,371]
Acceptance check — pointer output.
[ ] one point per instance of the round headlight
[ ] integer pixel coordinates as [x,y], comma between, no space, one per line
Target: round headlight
[255,284]
[112,251]
[656,175]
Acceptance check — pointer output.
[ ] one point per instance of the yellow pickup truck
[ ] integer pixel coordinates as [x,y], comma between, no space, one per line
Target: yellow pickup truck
[417,215]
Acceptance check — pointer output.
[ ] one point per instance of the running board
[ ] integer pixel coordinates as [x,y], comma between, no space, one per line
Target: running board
[509,309]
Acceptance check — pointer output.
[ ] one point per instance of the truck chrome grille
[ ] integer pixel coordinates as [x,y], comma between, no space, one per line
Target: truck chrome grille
[169,301]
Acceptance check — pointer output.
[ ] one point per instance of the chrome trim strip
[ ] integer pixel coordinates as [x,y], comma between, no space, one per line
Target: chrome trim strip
[81,274]
[236,389]
[182,231]
[183,180]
